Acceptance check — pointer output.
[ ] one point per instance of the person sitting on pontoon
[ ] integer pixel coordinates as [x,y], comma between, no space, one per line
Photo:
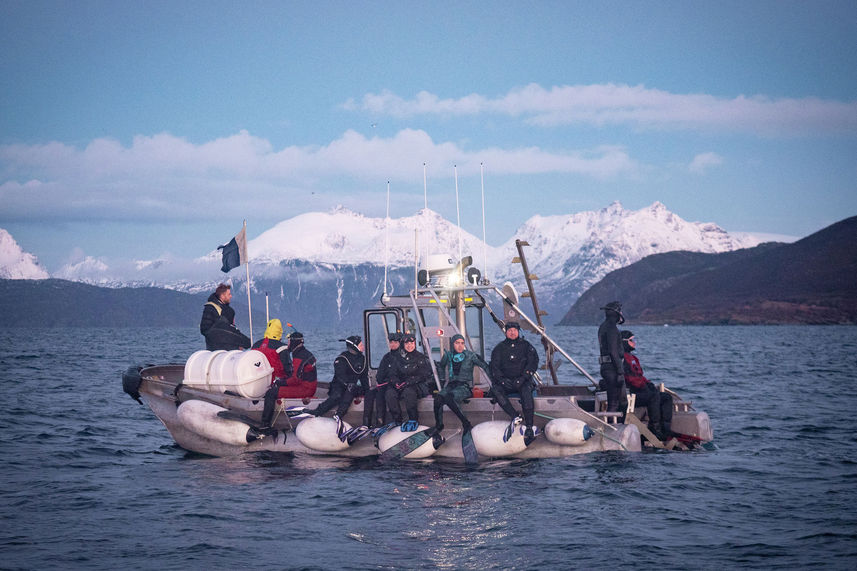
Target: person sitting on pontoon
[659,406]
[377,416]
[275,350]
[514,361]
[458,366]
[411,376]
[300,381]
[350,380]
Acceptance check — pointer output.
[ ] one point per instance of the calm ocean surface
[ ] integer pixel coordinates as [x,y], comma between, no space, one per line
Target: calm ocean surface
[90,479]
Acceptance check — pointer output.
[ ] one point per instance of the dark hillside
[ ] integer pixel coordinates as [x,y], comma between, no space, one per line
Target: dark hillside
[810,281]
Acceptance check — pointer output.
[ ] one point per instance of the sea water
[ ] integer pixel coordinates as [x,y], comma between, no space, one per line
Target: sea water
[91,479]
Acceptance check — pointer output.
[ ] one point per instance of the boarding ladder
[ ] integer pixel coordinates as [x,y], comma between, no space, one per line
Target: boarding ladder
[550,364]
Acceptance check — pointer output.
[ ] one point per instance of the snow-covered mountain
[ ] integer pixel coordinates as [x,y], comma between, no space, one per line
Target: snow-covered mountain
[16,264]
[322,255]
[346,237]
[570,253]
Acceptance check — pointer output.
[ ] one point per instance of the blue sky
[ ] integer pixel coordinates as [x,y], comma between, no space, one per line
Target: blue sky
[145,129]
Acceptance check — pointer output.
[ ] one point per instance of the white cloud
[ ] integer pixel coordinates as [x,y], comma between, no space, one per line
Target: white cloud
[610,104]
[704,161]
[168,177]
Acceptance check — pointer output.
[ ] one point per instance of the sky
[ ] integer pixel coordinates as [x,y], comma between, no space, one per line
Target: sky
[144,130]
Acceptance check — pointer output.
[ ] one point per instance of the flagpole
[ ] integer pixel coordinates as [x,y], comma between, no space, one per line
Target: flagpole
[249,308]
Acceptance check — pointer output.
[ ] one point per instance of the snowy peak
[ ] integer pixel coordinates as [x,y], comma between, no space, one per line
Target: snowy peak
[16,264]
[587,245]
[342,236]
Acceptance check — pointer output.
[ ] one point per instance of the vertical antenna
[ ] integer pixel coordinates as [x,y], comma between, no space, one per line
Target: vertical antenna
[387,239]
[416,259]
[484,240]
[425,210]
[425,188]
[457,211]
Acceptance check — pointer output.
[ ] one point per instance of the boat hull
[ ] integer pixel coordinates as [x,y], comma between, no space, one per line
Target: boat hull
[159,385]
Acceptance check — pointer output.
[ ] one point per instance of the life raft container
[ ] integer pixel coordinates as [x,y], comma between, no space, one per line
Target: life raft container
[245,373]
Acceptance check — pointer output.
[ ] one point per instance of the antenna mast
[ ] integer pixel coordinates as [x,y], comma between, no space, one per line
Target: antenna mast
[387,239]
[457,212]
[484,240]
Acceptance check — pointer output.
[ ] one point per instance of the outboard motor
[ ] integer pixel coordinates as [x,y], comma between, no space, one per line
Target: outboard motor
[131,381]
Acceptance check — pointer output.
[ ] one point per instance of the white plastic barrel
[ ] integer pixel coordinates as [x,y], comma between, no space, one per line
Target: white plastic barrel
[245,373]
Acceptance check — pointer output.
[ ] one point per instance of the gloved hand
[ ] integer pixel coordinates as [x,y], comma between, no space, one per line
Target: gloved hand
[409,425]
[400,385]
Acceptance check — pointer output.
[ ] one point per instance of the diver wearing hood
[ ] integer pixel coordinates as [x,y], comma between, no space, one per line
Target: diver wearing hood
[300,381]
[350,380]
[659,406]
[458,365]
[410,375]
[275,350]
[611,356]
[514,361]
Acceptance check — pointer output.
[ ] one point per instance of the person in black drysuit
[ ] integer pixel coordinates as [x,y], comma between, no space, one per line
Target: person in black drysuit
[350,380]
[611,356]
[659,406]
[411,374]
[513,362]
[375,416]
[218,322]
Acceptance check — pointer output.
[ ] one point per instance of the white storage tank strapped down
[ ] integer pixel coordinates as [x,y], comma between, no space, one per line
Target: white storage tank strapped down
[488,438]
[201,417]
[394,436]
[245,373]
[568,431]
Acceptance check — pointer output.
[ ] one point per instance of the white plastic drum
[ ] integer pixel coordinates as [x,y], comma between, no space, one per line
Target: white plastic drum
[488,438]
[198,366]
[319,433]
[395,435]
[567,431]
[245,373]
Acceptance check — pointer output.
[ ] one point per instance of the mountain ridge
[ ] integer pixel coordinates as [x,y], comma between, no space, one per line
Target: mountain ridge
[810,281]
[320,251]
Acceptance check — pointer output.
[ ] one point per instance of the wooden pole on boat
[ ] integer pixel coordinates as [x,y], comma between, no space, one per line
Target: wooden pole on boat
[249,308]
